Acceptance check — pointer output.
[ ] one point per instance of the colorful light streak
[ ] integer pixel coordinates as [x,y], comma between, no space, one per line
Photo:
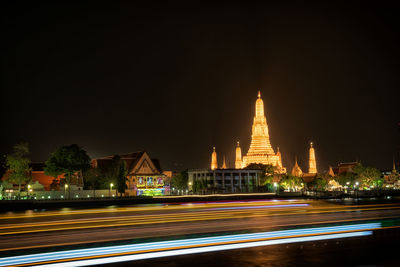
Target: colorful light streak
[170,253]
[197,245]
[261,207]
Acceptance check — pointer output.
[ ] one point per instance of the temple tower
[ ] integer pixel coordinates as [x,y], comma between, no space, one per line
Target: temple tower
[214,163]
[260,150]
[312,165]
[296,171]
[278,153]
[238,161]
[223,163]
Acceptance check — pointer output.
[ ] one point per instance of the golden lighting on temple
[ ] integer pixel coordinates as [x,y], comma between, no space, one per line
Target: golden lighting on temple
[312,162]
[214,163]
[223,163]
[238,161]
[260,150]
[296,171]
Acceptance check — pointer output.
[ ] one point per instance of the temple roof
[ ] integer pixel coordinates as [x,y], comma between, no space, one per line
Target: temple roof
[131,160]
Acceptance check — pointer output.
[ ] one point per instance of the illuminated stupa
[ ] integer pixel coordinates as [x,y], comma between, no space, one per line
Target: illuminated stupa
[214,163]
[238,161]
[312,164]
[260,150]
[296,171]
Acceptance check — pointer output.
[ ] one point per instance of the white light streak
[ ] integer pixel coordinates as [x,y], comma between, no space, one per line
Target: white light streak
[176,244]
[179,252]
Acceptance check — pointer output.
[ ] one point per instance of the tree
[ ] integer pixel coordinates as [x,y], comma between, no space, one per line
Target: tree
[122,177]
[290,182]
[368,176]
[18,165]
[67,160]
[199,185]
[180,181]
[267,175]
[91,179]
[346,179]
[319,183]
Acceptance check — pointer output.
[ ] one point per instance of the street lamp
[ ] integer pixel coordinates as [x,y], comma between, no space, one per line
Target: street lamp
[275,186]
[65,190]
[109,193]
[29,189]
[356,189]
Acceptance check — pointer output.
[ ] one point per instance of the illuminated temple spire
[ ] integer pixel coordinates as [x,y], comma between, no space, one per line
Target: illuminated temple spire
[278,153]
[312,165]
[214,163]
[296,171]
[260,150]
[223,164]
[238,161]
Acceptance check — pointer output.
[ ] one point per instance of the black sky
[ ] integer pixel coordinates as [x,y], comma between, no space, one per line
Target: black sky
[177,81]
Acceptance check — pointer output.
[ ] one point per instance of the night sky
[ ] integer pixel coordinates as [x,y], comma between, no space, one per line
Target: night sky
[177,80]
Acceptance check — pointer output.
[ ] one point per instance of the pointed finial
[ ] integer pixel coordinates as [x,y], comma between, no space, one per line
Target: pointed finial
[224,163]
[394,165]
[277,149]
[214,148]
[311,144]
[238,143]
[259,94]
[295,159]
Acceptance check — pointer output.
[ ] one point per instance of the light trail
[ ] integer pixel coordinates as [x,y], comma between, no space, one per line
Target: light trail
[140,217]
[198,244]
[181,217]
[262,227]
[153,255]
[167,206]
[183,206]
[260,207]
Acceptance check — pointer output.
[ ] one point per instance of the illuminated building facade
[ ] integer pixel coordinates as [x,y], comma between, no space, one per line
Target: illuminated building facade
[260,150]
[144,174]
[226,180]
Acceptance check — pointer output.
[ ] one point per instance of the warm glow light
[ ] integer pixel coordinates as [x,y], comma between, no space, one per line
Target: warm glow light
[260,150]
[214,162]
[312,164]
